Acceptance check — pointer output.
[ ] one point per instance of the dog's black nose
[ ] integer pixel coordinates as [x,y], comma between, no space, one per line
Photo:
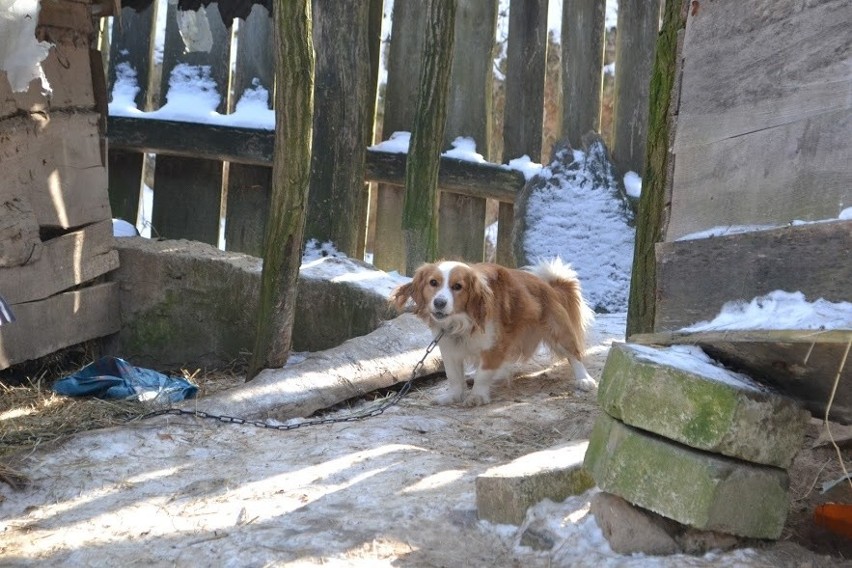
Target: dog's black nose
[440,303]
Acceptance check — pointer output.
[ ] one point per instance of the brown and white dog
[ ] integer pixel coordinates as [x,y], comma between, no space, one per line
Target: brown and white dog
[496,316]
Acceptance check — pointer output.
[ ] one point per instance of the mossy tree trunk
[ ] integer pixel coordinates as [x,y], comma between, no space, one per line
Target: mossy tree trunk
[291,169]
[658,165]
[420,208]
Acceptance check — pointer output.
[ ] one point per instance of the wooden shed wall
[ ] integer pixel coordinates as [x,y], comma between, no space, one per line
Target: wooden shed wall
[762,134]
[55,228]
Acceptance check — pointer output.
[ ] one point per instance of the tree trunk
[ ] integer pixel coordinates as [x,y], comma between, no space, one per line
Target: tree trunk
[340,100]
[294,71]
[420,209]
[656,179]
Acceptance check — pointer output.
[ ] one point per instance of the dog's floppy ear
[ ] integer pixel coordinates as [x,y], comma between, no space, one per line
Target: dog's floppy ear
[412,290]
[480,299]
[400,296]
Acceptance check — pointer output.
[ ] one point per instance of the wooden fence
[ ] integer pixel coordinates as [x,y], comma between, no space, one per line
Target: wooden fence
[204,170]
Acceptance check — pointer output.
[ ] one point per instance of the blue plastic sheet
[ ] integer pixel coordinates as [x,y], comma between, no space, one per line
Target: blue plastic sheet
[114,378]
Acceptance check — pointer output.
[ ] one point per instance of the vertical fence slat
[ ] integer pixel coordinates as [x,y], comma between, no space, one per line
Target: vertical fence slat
[522,127]
[405,58]
[336,200]
[583,32]
[249,186]
[638,27]
[374,44]
[461,228]
[132,34]
[188,191]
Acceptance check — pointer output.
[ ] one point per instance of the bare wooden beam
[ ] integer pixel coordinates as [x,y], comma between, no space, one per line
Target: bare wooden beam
[253,146]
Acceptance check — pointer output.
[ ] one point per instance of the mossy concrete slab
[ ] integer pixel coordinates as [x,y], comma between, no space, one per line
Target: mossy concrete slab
[504,493]
[680,394]
[699,489]
[189,303]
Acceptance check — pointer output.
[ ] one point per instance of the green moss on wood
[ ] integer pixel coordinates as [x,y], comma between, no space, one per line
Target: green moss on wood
[649,221]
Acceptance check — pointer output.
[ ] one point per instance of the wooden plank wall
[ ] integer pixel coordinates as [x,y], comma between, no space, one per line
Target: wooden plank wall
[765,115]
[188,191]
[132,37]
[461,226]
[249,187]
[55,228]
[696,278]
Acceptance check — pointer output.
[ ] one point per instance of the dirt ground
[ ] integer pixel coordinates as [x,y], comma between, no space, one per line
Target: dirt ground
[393,490]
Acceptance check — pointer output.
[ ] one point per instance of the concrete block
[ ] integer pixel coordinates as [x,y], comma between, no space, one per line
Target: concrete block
[189,303]
[699,489]
[504,493]
[681,395]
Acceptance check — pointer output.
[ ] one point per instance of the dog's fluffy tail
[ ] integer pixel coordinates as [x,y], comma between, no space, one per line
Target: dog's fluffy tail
[564,280]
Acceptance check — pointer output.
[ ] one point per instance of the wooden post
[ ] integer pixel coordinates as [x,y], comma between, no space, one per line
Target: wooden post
[405,59]
[336,198]
[522,128]
[638,26]
[420,211]
[249,186]
[664,96]
[374,43]
[132,37]
[583,31]
[294,74]
[461,229]
[188,191]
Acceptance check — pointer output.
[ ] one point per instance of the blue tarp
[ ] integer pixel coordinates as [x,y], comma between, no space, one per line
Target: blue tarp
[114,378]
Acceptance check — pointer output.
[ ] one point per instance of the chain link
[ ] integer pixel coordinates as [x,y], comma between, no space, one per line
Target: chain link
[392,401]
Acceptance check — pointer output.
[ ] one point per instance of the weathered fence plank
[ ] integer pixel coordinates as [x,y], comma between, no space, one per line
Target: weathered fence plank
[132,36]
[461,226]
[636,40]
[188,191]
[249,186]
[337,195]
[522,128]
[405,59]
[583,32]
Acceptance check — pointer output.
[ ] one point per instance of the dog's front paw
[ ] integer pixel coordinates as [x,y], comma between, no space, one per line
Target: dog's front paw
[477,399]
[587,384]
[449,397]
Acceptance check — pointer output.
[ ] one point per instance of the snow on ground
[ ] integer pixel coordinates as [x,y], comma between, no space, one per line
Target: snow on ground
[393,490]
[20,53]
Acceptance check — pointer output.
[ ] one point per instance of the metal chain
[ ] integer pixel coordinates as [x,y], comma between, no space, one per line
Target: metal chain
[404,389]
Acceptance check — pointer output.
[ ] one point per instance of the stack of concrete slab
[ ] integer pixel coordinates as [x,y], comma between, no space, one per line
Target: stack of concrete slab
[685,438]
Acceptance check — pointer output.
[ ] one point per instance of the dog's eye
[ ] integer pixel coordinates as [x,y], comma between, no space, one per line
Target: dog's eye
[433,283]
[457,286]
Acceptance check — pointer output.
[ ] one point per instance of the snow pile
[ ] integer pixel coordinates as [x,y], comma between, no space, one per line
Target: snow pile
[192,97]
[20,54]
[779,310]
[573,209]
[692,359]
[323,261]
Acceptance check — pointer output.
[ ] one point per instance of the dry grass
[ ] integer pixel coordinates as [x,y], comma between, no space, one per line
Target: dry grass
[31,414]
